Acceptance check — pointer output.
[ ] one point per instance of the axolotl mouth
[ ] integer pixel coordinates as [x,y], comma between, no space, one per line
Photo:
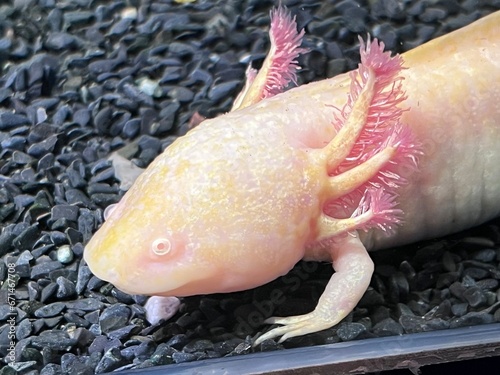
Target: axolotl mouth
[163,262]
[141,267]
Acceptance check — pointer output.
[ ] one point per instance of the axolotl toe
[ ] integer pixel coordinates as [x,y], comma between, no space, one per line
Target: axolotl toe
[401,149]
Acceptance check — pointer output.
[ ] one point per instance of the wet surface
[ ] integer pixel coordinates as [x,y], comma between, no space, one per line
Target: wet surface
[80,79]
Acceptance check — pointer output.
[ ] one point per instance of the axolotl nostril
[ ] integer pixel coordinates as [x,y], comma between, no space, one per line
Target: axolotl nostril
[402,149]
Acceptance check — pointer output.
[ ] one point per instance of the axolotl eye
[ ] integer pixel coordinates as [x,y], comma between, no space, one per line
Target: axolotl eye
[161,246]
[168,246]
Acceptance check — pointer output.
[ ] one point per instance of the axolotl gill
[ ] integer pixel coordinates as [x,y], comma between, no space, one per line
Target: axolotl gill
[403,148]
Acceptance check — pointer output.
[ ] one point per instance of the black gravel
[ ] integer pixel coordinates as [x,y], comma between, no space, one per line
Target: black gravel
[80,79]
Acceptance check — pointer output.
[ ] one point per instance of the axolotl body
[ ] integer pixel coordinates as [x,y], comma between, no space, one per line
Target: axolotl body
[403,149]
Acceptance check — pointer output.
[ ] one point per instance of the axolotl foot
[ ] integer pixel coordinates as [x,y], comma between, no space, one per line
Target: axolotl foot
[354,269]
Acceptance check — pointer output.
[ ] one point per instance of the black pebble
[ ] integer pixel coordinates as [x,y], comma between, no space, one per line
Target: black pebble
[144,350]
[66,288]
[41,148]
[181,357]
[415,324]
[122,333]
[54,19]
[110,361]
[350,331]
[99,344]
[178,341]
[472,318]
[5,93]
[53,339]
[81,117]
[388,327]
[181,94]
[43,269]
[85,304]
[64,211]
[388,9]
[488,284]
[432,15]
[114,317]
[48,291]
[20,83]
[4,311]
[23,200]
[131,128]
[198,346]
[102,120]
[50,310]
[10,120]
[78,17]
[222,90]
[61,41]
[77,197]
[72,364]
[57,238]
[84,275]
[355,19]
[120,27]
[474,296]
[476,273]
[16,142]
[71,317]
[486,255]
[95,283]
[33,290]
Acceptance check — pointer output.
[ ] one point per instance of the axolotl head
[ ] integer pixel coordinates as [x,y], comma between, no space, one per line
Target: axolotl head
[141,259]
[168,237]
[147,243]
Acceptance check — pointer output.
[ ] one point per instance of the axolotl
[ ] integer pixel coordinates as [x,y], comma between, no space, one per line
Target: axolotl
[402,149]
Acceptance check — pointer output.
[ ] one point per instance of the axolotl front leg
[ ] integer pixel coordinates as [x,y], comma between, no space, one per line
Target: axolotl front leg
[368,148]
[353,271]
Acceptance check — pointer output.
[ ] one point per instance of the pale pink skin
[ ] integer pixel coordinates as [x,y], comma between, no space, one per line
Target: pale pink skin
[201,203]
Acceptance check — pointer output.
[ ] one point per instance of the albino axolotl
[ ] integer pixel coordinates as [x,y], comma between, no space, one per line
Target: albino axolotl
[402,149]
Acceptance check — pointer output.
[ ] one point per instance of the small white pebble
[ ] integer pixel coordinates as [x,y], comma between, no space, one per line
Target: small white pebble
[129,12]
[158,308]
[64,254]
[41,115]
[149,87]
